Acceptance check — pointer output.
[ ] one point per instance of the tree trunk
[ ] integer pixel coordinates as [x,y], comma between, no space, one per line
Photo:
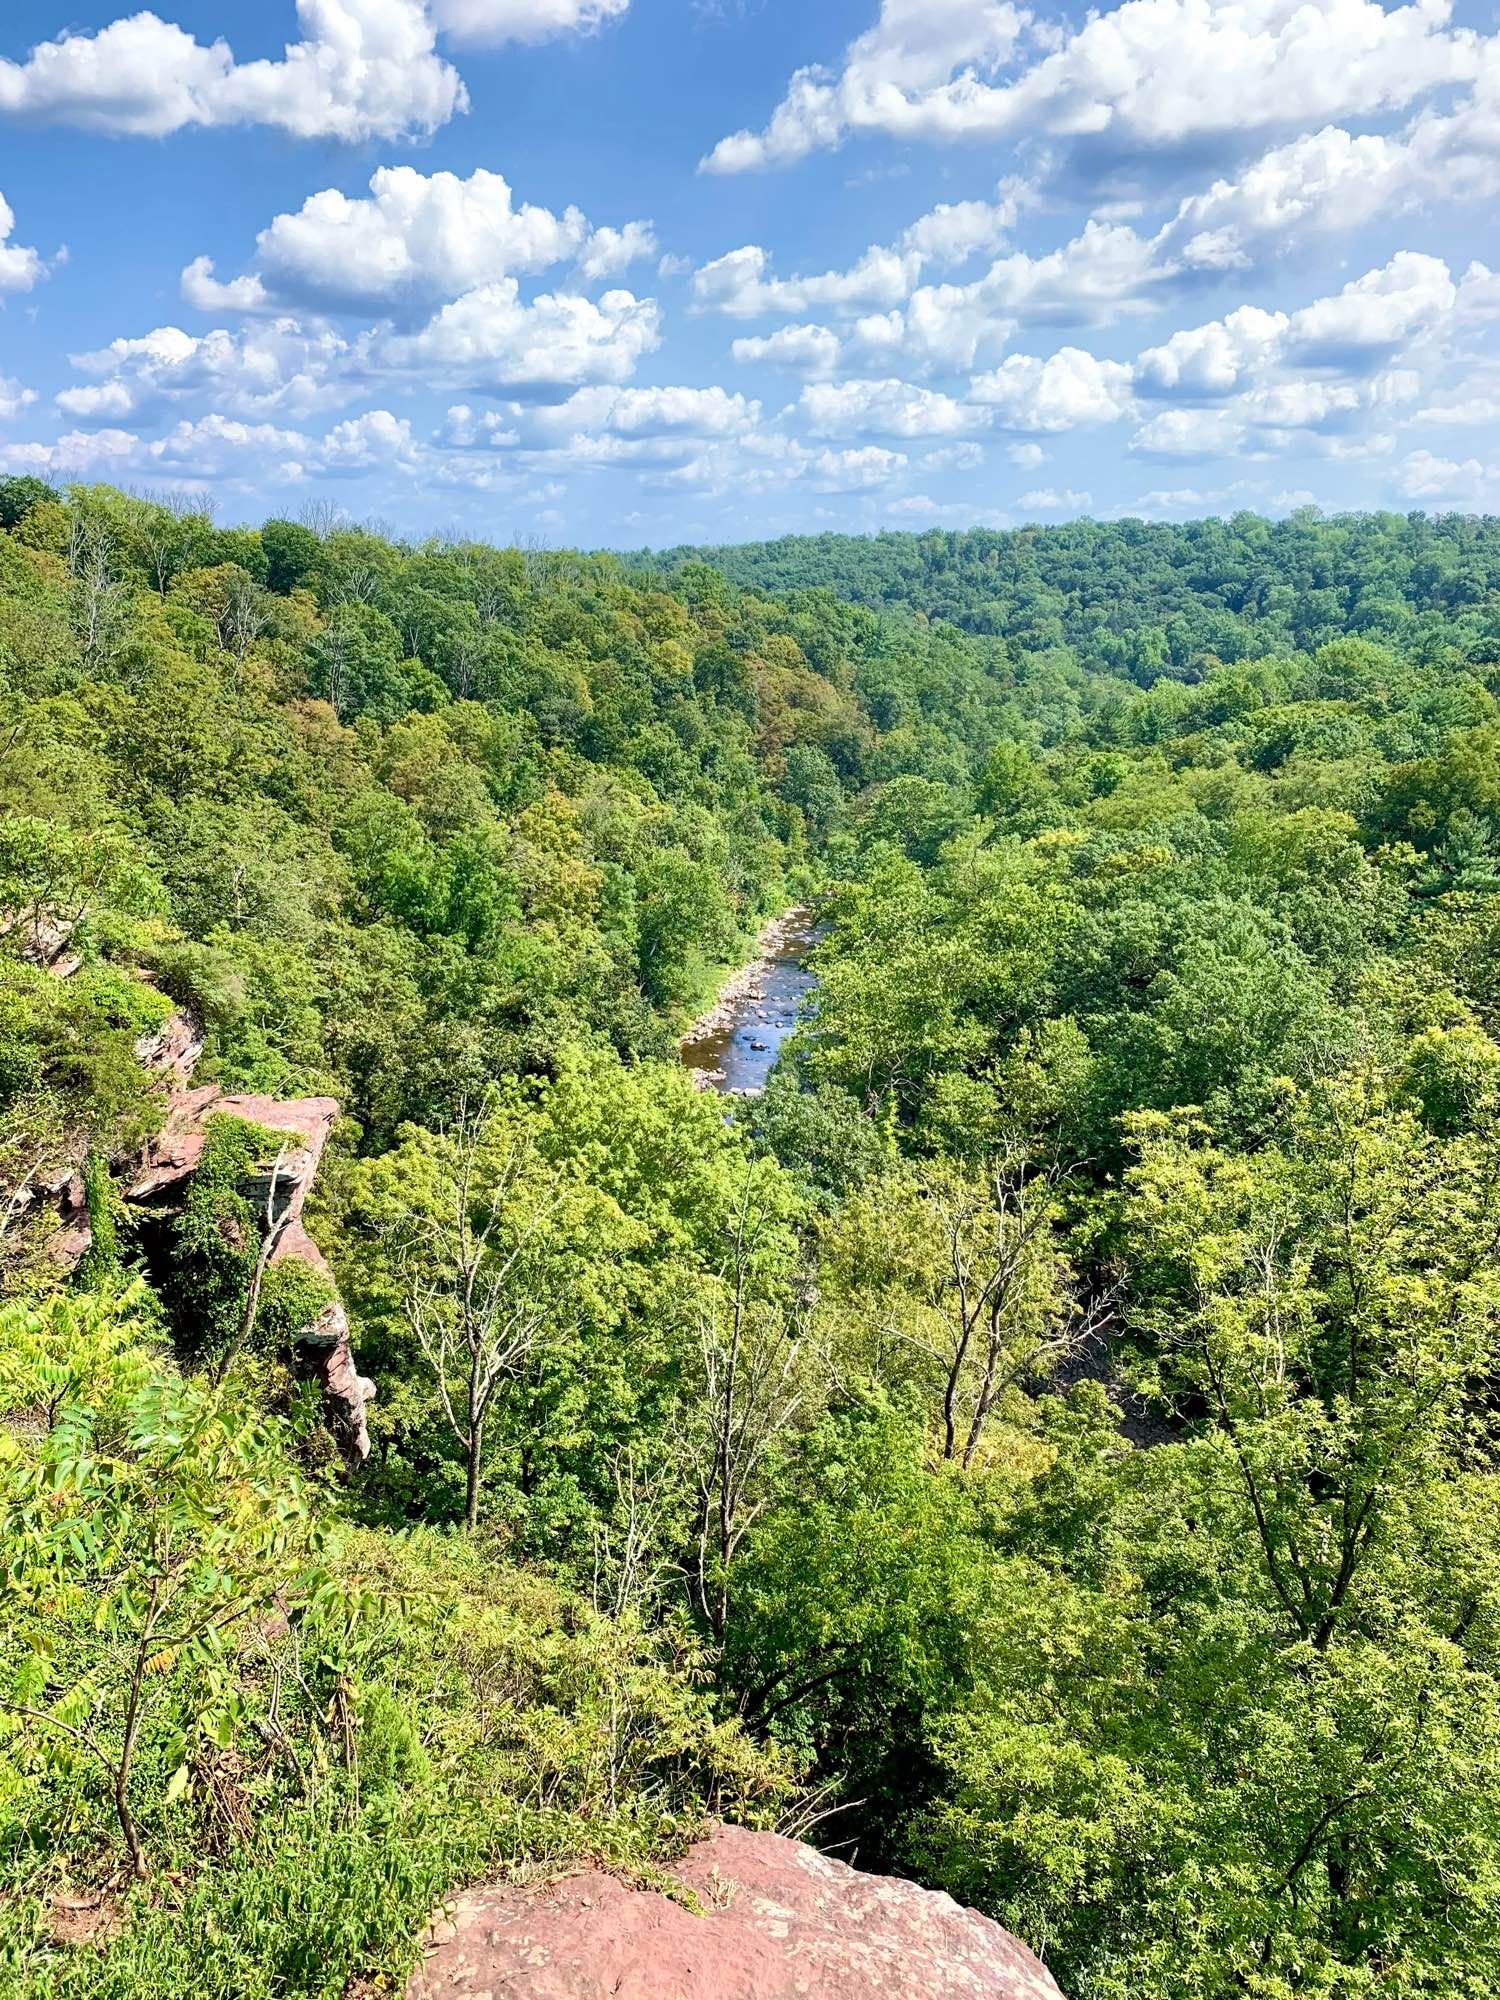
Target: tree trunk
[471,1495]
[139,1866]
[1340,1909]
[271,1235]
[950,1398]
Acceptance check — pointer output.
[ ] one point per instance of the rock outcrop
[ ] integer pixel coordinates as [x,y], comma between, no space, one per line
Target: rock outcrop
[41,936]
[779,1921]
[173,1049]
[159,1183]
[154,1184]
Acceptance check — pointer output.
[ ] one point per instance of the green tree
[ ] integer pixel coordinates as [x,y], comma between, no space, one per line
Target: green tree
[486,1246]
[18,495]
[1331,1302]
[139,1536]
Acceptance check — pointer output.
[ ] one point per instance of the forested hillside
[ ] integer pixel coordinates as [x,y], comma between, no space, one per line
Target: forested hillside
[1152,598]
[1045,1443]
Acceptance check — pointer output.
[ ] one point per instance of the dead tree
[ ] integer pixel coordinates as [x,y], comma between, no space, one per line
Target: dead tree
[335,648]
[159,526]
[629,1566]
[97,597]
[243,617]
[323,518]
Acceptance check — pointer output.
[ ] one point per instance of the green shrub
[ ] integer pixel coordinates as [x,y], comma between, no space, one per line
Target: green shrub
[295,1736]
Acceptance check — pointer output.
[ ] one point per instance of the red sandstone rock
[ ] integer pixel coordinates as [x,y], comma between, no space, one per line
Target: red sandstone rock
[41,937]
[330,1351]
[159,1181]
[172,1157]
[780,1922]
[71,1235]
[173,1049]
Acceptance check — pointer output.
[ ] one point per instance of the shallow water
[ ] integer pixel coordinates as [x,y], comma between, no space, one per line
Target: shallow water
[738,1057]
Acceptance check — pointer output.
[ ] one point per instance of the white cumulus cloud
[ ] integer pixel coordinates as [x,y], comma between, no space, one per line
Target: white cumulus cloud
[887,408]
[491,339]
[1211,360]
[1333,181]
[610,251]
[803,350]
[375,439]
[1459,482]
[1374,314]
[20,268]
[14,397]
[740,284]
[486,23]
[1055,500]
[206,447]
[206,293]
[897,77]
[276,368]
[1067,389]
[360,69]
[1144,77]
[856,469]
[1190,434]
[604,423]
[413,240]
[900,322]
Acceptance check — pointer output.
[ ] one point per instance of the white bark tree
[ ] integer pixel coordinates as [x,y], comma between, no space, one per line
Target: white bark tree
[471,1288]
[749,1348]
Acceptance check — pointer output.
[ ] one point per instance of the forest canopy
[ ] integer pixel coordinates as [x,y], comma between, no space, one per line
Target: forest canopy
[1046,1441]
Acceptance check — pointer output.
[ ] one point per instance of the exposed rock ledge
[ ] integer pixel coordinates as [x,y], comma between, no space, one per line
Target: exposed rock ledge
[160,1182]
[157,1180]
[156,1183]
[780,1922]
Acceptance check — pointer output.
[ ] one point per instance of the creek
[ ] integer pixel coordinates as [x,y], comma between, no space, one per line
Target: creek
[734,1046]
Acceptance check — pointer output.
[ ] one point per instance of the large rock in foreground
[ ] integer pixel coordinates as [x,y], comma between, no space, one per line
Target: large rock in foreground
[780,1922]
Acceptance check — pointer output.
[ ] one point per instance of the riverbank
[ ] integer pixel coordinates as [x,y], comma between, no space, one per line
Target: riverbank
[770,943]
[750,1005]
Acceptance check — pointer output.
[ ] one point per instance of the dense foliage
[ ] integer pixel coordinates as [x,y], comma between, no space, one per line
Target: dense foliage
[1153,598]
[1048,1438]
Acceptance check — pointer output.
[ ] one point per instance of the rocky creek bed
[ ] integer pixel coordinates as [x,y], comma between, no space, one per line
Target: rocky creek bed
[734,1045]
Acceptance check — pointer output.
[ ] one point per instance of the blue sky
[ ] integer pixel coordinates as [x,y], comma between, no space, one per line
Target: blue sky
[619,272]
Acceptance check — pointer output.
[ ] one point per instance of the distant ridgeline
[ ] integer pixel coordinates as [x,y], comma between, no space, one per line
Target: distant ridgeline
[1044,1442]
[1151,598]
